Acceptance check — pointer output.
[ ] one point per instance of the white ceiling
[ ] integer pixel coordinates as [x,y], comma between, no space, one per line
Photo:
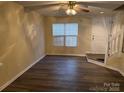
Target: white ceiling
[52,8]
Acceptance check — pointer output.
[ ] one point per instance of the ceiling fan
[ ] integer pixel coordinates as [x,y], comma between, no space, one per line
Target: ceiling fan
[62,8]
[73,8]
[68,7]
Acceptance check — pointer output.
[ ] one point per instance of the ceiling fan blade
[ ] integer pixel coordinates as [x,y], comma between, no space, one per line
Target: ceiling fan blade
[37,7]
[119,8]
[80,8]
[40,3]
[99,4]
[85,10]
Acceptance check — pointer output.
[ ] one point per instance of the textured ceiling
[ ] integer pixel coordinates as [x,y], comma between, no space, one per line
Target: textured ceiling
[57,8]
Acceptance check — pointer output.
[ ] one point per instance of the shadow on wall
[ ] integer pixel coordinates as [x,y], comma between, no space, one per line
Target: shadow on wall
[21,39]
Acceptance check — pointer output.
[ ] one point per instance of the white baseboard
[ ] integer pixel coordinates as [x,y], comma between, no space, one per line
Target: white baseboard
[104,65]
[19,74]
[68,54]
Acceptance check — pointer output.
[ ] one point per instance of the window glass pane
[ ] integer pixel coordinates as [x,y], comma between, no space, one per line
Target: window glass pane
[71,29]
[58,29]
[71,41]
[58,40]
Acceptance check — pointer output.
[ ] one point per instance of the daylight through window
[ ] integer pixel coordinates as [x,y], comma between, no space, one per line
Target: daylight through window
[65,34]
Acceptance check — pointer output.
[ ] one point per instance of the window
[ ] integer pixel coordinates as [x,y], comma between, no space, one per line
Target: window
[65,34]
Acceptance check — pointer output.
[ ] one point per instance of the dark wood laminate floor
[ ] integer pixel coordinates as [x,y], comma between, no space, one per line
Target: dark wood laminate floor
[60,73]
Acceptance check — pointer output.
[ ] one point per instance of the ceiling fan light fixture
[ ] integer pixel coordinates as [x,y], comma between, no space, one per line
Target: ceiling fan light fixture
[71,12]
[101,12]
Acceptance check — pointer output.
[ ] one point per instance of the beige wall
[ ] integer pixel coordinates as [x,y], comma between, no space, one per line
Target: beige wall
[21,40]
[99,34]
[84,37]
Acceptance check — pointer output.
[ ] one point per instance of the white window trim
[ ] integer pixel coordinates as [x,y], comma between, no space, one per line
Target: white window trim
[64,45]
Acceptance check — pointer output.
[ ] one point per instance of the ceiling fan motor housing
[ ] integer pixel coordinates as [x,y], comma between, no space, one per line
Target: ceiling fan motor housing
[71,4]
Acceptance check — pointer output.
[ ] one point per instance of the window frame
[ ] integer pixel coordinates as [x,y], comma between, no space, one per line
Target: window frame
[64,41]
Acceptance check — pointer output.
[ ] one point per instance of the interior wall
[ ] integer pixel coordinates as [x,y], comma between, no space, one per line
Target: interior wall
[116,58]
[84,36]
[21,40]
[99,34]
